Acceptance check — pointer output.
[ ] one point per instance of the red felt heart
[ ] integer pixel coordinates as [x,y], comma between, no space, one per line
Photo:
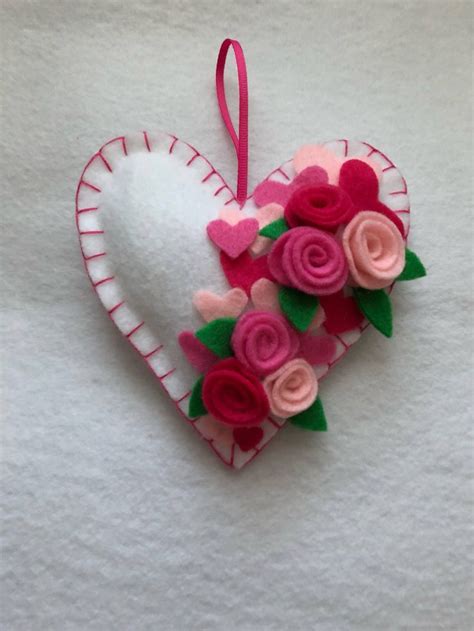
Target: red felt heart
[342,313]
[248,437]
[244,271]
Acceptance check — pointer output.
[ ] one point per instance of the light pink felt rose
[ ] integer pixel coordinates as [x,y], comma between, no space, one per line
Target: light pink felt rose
[291,389]
[374,249]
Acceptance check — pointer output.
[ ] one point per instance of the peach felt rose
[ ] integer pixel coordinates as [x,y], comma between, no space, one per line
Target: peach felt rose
[374,249]
[291,389]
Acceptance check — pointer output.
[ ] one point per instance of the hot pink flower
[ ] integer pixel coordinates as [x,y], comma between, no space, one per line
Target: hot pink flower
[309,260]
[264,341]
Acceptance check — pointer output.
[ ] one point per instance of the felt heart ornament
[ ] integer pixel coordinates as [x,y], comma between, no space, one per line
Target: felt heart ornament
[145,203]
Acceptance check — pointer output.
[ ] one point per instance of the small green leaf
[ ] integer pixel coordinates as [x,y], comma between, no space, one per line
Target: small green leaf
[414,268]
[274,229]
[298,307]
[313,418]
[196,404]
[376,307]
[216,336]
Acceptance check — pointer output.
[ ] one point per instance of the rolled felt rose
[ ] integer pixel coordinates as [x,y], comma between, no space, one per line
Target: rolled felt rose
[264,341]
[309,260]
[375,250]
[292,388]
[234,395]
[324,206]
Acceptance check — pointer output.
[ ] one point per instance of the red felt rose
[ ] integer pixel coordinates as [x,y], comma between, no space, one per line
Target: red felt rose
[234,395]
[323,206]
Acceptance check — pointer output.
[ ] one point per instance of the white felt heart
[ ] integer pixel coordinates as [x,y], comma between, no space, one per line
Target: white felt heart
[142,206]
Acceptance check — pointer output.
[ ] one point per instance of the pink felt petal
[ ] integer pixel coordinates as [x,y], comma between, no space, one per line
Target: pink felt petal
[244,271]
[268,192]
[360,181]
[377,169]
[232,216]
[264,294]
[269,213]
[200,357]
[265,215]
[317,155]
[233,240]
[318,319]
[211,306]
[313,176]
[317,349]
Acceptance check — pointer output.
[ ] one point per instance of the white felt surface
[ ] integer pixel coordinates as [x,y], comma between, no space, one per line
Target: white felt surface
[115,515]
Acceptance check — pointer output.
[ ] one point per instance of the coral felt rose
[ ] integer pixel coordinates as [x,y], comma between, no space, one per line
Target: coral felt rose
[309,260]
[375,250]
[264,341]
[323,206]
[234,395]
[292,388]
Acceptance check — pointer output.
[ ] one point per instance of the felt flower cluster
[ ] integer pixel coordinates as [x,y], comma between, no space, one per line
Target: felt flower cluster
[335,243]
[319,256]
[255,365]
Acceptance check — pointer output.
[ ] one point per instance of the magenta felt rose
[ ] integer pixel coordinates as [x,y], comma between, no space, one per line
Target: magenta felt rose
[264,341]
[375,250]
[292,388]
[324,206]
[309,260]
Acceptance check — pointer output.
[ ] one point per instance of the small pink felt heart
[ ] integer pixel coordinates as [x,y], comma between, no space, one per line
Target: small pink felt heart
[264,294]
[212,306]
[265,215]
[232,216]
[233,240]
[318,349]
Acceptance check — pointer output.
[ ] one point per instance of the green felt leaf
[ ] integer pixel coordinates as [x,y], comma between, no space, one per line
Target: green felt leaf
[274,229]
[196,404]
[376,307]
[298,307]
[216,336]
[313,418]
[414,268]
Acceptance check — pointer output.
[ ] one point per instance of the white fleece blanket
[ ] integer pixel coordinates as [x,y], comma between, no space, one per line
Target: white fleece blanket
[115,515]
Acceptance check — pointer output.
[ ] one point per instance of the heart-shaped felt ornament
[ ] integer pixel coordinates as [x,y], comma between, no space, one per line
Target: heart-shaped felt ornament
[241,305]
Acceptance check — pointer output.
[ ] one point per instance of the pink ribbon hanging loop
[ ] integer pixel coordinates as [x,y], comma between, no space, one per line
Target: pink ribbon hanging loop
[241,140]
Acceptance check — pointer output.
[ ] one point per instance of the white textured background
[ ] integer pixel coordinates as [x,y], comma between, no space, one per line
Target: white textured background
[116,517]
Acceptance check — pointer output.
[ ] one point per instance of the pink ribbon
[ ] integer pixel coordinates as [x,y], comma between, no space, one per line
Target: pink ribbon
[240,141]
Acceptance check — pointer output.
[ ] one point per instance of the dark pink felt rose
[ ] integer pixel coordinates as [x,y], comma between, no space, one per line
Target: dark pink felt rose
[310,260]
